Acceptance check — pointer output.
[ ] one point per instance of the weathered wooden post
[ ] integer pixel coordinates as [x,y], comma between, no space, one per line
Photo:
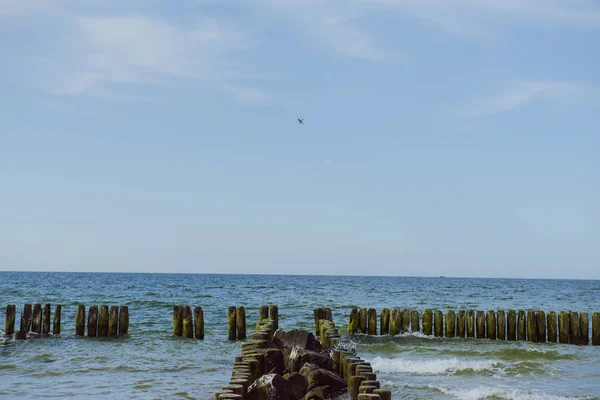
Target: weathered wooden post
[405,320]
[353,322]
[427,322]
[563,327]
[232,322]
[80,320]
[46,320]
[36,320]
[491,324]
[92,321]
[103,321]
[460,324]
[450,323]
[9,328]
[372,321]
[240,320]
[56,326]
[384,394]
[511,325]
[531,326]
[177,320]
[26,318]
[438,323]
[395,321]
[319,314]
[521,326]
[470,323]
[584,328]
[540,317]
[480,324]
[574,330]
[274,313]
[188,323]
[596,329]
[113,321]
[263,313]
[501,324]
[414,321]
[199,323]
[551,323]
[362,320]
[123,320]
[384,326]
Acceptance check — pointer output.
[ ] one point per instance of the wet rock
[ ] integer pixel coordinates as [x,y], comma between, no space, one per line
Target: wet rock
[274,363]
[297,338]
[298,358]
[298,384]
[270,387]
[332,384]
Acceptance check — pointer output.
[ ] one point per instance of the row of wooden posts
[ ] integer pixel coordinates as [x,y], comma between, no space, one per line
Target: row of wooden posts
[33,319]
[532,325]
[102,321]
[236,320]
[184,325]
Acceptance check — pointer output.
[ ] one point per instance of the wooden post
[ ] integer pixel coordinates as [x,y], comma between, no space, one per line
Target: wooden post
[46,320]
[103,321]
[232,322]
[240,318]
[511,325]
[405,320]
[362,320]
[123,320]
[274,313]
[480,324]
[92,321]
[177,320]
[414,321]
[574,330]
[540,317]
[319,315]
[584,328]
[596,329]
[36,320]
[470,324]
[384,326]
[113,321]
[427,322]
[80,321]
[9,328]
[395,321]
[56,326]
[188,323]
[460,324]
[521,326]
[353,322]
[501,324]
[491,324]
[438,323]
[450,324]
[199,323]
[263,313]
[26,318]
[384,394]
[372,321]
[531,326]
[551,323]
[563,327]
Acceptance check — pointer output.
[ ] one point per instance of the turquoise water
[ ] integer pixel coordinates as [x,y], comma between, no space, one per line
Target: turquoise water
[150,363]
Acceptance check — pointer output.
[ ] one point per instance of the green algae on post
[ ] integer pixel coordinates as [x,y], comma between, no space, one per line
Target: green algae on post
[574,331]
[177,320]
[56,326]
[80,320]
[490,317]
[405,320]
[395,318]
[450,323]
[501,325]
[231,323]
[540,317]
[9,328]
[263,313]
[103,321]
[552,328]
[438,323]
[470,323]
[362,320]
[384,326]
[188,324]
[372,321]
[384,394]
[521,326]
[199,323]
[427,322]
[480,324]
[123,320]
[511,325]
[414,321]
[563,327]
[353,322]
[113,321]
[460,324]
[531,326]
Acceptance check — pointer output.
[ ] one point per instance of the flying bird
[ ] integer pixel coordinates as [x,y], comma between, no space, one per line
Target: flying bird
[300,120]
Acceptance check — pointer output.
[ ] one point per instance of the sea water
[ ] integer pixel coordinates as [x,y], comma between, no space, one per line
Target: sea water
[150,363]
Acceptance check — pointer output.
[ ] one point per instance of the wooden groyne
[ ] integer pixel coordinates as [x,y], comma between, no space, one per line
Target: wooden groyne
[188,324]
[35,320]
[102,321]
[566,327]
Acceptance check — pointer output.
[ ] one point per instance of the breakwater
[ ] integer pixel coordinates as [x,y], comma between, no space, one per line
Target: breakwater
[538,326]
[33,319]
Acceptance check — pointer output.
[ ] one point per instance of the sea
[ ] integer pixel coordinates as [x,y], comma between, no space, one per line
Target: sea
[150,363]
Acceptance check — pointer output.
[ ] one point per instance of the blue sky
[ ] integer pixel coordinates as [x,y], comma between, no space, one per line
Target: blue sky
[454,137]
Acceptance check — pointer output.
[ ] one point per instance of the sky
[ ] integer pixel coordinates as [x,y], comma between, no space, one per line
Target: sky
[440,137]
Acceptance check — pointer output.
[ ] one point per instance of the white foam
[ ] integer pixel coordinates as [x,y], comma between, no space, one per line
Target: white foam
[431,367]
[484,392]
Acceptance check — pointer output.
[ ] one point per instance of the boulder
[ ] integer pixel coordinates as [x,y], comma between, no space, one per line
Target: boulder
[317,377]
[274,361]
[297,338]
[269,387]
[298,358]
[298,384]
[315,394]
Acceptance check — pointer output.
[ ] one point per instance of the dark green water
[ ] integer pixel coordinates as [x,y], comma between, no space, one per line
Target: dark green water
[151,364]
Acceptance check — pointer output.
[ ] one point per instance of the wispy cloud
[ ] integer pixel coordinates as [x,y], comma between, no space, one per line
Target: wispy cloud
[522,93]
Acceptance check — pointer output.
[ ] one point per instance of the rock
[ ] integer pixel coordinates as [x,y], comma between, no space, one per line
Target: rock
[298,384]
[269,387]
[274,361]
[297,338]
[318,377]
[298,358]
[316,394]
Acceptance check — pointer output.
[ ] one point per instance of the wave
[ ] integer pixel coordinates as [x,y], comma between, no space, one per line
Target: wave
[507,393]
[449,366]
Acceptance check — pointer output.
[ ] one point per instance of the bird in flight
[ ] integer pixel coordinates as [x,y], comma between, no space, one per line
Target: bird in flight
[300,120]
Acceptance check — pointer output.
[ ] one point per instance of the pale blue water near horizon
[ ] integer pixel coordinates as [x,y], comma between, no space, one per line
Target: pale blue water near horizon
[150,363]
